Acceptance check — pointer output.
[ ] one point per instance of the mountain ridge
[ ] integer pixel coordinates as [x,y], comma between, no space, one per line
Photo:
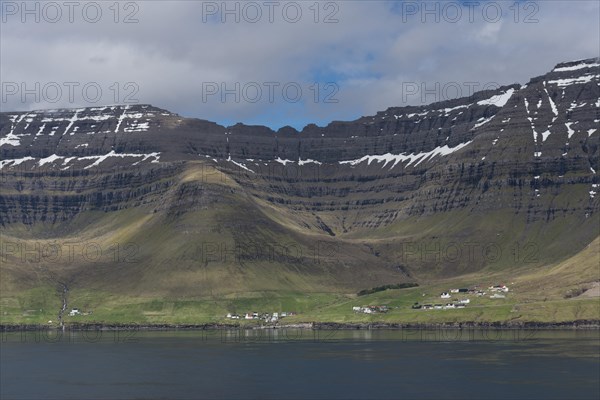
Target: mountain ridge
[499,182]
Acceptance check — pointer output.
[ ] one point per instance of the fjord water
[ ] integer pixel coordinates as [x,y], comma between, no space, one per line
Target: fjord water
[301,364]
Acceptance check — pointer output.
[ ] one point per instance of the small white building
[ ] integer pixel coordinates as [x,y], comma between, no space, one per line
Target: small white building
[464,301]
[356,308]
[74,312]
[445,295]
[499,288]
[453,290]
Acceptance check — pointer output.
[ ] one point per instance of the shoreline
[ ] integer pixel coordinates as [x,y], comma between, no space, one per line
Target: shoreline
[315,326]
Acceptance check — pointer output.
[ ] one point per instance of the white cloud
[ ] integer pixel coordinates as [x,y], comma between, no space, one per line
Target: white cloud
[371,53]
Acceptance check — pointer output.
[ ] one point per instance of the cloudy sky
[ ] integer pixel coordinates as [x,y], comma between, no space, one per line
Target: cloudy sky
[280,63]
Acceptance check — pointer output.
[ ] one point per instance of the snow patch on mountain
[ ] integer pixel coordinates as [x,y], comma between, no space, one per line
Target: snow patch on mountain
[575,67]
[11,139]
[499,100]
[100,159]
[569,129]
[482,121]
[239,164]
[545,135]
[284,162]
[411,158]
[49,159]
[308,161]
[15,161]
[574,81]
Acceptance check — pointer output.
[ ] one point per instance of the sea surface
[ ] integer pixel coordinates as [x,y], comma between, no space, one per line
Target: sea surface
[301,364]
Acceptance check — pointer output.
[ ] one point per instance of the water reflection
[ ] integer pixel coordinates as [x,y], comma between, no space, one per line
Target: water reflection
[301,364]
[302,334]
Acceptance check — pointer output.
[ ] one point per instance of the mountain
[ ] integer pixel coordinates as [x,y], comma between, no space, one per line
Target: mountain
[132,204]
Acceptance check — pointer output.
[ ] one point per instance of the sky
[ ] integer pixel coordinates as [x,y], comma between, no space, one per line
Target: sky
[279,63]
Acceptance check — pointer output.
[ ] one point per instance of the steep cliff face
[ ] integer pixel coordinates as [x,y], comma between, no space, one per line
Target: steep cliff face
[517,163]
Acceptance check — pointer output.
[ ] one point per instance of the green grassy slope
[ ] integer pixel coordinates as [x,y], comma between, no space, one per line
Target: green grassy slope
[211,248]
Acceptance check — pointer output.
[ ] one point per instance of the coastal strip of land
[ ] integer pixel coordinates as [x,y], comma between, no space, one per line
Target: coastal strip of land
[500,325]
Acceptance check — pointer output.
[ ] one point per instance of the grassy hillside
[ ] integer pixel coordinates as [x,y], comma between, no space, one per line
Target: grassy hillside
[208,247]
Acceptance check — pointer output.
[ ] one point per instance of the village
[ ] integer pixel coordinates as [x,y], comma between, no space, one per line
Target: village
[268,317]
[497,291]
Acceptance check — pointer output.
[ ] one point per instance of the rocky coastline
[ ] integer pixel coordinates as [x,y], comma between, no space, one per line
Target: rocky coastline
[499,325]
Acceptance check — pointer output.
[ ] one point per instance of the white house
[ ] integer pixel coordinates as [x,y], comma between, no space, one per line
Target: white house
[445,295]
[453,290]
[74,312]
[356,308]
[464,301]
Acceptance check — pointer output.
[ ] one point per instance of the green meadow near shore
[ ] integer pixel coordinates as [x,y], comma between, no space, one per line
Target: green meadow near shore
[554,294]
